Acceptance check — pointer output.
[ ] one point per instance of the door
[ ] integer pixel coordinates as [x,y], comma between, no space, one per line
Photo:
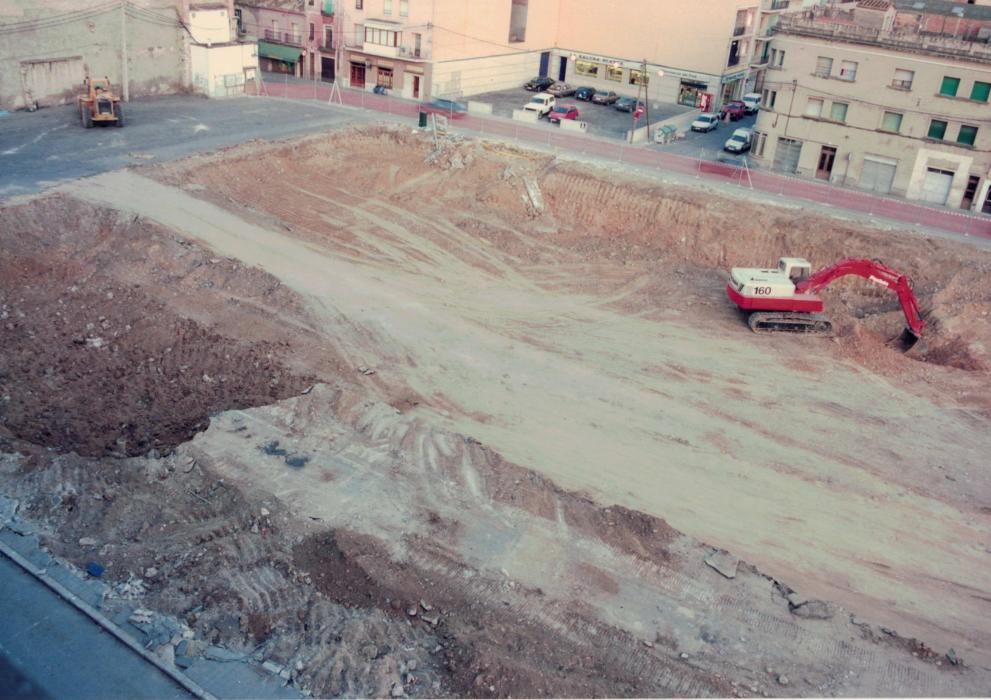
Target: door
[358,75]
[416,87]
[968,195]
[826,157]
[877,175]
[936,186]
[313,66]
[562,69]
[327,69]
[545,62]
[786,155]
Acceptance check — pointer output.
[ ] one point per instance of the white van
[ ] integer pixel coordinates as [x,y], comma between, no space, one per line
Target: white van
[739,141]
[541,103]
[751,101]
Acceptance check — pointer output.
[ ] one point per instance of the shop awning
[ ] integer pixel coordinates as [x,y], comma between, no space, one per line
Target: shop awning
[289,54]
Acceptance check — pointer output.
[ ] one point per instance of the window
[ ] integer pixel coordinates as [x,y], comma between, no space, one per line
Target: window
[937,129]
[814,107]
[949,86]
[903,79]
[328,37]
[637,77]
[614,72]
[386,7]
[381,37]
[774,56]
[770,97]
[824,66]
[313,31]
[848,70]
[239,19]
[517,20]
[892,121]
[967,135]
[384,77]
[404,8]
[838,112]
[781,58]
[980,91]
[587,68]
[359,4]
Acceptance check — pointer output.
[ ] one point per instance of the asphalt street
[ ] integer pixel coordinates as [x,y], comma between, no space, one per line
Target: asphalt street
[53,650]
[39,149]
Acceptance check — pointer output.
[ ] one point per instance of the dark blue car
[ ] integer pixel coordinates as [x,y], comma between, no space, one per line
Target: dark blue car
[584,93]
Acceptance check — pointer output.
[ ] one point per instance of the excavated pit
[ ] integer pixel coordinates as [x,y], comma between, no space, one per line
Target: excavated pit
[485,384]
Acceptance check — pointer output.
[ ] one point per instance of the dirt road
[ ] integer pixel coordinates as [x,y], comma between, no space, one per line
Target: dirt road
[838,480]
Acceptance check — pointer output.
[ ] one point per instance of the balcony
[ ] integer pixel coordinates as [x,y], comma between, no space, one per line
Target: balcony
[413,53]
[777,5]
[290,38]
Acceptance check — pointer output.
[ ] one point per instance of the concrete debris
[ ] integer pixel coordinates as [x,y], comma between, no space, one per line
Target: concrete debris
[265,512]
[952,657]
[166,652]
[272,667]
[8,507]
[141,616]
[432,619]
[411,611]
[87,542]
[151,572]
[221,654]
[813,610]
[130,589]
[367,371]
[683,655]
[533,192]
[723,562]
[397,690]
[783,680]
[187,464]
[427,607]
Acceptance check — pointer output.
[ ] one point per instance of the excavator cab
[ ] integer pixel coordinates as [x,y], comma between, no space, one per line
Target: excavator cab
[796,269]
[100,105]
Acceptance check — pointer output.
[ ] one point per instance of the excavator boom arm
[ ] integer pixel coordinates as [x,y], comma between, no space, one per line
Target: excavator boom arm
[874,271]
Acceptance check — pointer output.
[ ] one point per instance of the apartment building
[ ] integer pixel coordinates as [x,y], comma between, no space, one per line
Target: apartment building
[889,109]
[294,36]
[451,48]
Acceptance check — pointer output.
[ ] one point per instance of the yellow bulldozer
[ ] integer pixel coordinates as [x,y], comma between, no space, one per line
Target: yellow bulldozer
[100,105]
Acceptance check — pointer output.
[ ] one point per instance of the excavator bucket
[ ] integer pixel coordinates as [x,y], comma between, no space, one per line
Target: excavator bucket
[910,343]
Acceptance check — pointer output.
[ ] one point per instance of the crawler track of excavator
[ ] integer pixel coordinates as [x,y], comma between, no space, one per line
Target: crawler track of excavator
[784,322]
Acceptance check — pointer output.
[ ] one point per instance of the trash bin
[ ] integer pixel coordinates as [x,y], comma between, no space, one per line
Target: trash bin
[423,119]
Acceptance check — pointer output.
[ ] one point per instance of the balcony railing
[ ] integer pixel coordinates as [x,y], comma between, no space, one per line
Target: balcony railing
[908,41]
[292,38]
[779,4]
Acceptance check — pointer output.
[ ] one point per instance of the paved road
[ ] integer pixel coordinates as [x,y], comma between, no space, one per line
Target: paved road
[49,646]
[48,146]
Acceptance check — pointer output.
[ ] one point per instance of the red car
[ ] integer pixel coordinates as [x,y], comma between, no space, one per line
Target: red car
[735,109]
[563,112]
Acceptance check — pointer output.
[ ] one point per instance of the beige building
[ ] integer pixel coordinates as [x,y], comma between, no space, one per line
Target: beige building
[455,49]
[883,108]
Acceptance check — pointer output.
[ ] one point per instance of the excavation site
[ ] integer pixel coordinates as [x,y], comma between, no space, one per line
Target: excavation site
[409,418]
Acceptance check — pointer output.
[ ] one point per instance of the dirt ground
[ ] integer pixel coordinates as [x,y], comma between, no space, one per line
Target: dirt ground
[470,421]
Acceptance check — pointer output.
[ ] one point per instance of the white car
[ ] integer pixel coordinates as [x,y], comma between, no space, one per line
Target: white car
[541,103]
[739,142]
[705,122]
[752,101]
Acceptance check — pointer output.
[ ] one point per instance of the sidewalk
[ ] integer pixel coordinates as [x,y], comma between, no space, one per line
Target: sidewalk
[896,210]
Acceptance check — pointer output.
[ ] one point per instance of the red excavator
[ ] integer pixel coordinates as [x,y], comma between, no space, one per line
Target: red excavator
[786,299]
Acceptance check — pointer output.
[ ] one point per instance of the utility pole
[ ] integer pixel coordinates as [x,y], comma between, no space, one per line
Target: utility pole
[125,91]
[641,93]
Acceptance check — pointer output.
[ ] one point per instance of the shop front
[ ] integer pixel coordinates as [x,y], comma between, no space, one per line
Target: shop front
[690,92]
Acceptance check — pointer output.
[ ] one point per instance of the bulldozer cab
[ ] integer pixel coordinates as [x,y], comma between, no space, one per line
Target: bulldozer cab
[99,104]
[796,269]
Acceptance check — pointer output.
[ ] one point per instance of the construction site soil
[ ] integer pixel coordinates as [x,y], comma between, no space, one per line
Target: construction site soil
[460,419]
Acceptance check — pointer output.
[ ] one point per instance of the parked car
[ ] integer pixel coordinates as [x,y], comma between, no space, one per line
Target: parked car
[735,109]
[541,103]
[604,97]
[563,112]
[584,93]
[705,122]
[751,101]
[538,84]
[739,141]
[561,90]
[628,104]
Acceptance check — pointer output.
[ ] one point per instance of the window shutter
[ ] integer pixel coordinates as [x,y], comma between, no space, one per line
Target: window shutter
[980,91]
[949,86]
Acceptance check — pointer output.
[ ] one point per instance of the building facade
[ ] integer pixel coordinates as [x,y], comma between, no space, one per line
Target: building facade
[888,110]
[454,49]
